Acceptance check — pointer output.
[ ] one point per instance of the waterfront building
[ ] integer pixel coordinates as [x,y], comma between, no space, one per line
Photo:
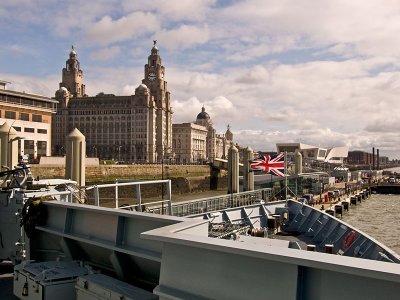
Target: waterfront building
[199,141]
[358,157]
[189,142]
[217,144]
[383,161]
[31,116]
[135,128]
[335,155]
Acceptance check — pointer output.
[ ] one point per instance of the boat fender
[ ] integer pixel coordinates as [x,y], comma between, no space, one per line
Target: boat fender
[349,239]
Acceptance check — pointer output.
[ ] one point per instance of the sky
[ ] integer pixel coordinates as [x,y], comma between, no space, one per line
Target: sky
[319,72]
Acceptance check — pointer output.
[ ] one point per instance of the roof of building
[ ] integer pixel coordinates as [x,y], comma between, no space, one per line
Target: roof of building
[190,125]
[203,115]
[103,101]
[72,53]
[28,96]
[142,86]
[330,155]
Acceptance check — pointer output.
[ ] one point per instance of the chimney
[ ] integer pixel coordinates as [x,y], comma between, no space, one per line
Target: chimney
[377,159]
[373,158]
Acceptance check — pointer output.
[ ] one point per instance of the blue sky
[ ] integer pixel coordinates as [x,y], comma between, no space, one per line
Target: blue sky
[319,72]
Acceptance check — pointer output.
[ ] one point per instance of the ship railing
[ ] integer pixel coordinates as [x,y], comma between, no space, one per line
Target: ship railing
[165,204]
[192,207]
[65,196]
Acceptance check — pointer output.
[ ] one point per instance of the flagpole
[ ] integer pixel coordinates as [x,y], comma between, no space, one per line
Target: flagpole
[285,168]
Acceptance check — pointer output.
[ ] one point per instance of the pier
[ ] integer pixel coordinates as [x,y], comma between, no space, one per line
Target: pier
[386,188]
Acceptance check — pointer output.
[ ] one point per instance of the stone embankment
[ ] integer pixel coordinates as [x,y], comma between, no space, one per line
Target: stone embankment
[184,178]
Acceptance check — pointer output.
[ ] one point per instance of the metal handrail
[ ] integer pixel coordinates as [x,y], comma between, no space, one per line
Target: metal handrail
[184,208]
[191,207]
[117,184]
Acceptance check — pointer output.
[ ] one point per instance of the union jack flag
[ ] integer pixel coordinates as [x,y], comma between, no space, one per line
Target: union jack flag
[275,165]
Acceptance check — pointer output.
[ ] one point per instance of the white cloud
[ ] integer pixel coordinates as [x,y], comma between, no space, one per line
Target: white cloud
[187,110]
[128,90]
[45,86]
[366,28]
[136,24]
[118,81]
[219,108]
[183,37]
[106,53]
[192,10]
[322,72]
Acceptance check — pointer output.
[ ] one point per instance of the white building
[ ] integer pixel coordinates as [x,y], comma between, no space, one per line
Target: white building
[189,142]
[199,141]
[31,117]
[334,155]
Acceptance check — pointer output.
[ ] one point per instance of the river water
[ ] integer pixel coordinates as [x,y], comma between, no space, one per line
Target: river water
[379,217]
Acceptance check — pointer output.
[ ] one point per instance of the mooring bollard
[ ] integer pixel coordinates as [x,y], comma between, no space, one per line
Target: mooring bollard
[339,209]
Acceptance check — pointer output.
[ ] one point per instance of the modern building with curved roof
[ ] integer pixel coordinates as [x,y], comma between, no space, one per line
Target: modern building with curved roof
[334,155]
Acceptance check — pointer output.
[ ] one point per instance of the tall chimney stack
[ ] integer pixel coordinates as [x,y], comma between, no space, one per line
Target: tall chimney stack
[373,158]
[377,159]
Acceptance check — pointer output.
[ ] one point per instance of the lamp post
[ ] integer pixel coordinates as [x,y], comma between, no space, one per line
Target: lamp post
[162,184]
[166,154]
[35,150]
[119,153]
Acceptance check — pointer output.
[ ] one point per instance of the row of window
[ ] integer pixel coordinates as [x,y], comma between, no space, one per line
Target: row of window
[100,112]
[31,130]
[108,112]
[22,116]
[102,130]
[111,118]
[25,101]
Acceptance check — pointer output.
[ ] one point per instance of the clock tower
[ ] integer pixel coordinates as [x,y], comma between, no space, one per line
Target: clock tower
[154,79]
[72,76]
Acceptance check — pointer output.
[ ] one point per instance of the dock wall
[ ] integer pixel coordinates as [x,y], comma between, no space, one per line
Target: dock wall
[185,178]
[386,189]
[111,172]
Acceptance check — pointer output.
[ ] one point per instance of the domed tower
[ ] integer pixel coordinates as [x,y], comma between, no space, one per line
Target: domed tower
[62,95]
[203,118]
[229,134]
[142,94]
[154,79]
[72,76]
[145,144]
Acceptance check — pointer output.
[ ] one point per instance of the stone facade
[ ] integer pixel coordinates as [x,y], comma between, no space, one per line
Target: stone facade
[136,128]
[189,143]
[108,173]
[198,142]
